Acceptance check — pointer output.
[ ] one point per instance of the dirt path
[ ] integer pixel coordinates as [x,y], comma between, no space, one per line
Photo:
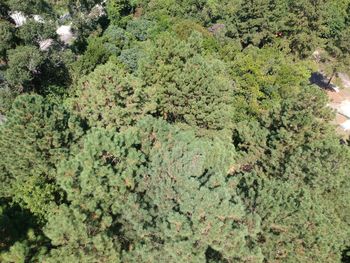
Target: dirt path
[340,101]
[345,79]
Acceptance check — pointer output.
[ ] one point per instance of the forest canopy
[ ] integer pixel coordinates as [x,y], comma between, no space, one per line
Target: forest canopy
[171,131]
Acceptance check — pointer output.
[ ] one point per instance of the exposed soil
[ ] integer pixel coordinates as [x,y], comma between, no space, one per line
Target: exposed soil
[345,79]
[337,99]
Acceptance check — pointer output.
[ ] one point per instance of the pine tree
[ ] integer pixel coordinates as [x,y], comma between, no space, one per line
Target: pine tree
[294,176]
[151,193]
[7,38]
[183,85]
[253,23]
[34,138]
[108,97]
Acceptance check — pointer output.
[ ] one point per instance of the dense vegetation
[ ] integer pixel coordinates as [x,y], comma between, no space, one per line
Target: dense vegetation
[172,131]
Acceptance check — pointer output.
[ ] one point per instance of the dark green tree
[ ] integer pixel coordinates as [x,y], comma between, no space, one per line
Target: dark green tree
[7,38]
[95,54]
[24,65]
[303,26]
[118,10]
[294,176]
[30,7]
[253,23]
[32,32]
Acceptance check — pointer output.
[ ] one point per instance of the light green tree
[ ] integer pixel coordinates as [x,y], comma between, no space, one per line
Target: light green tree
[264,77]
[36,135]
[108,97]
[171,200]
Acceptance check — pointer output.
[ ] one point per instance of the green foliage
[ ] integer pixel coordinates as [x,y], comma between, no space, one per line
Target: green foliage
[6,98]
[7,37]
[264,77]
[172,131]
[140,28]
[294,174]
[205,11]
[80,237]
[14,224]
[4,9]
[171,199]
[337,35]
[254,25]
[108,97]
[185,28]
[28,250]
[130,58]
[55,72]
[335,18]
[81,6]
[115,39]
[303,26]
[23,66]
[32,32]
[29,7]
[117,9]
[36,135]
[95,54]
[183,85]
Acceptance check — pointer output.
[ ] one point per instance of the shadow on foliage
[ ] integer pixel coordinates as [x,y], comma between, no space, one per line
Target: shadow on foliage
[213,256]
[14,224]
[346,256]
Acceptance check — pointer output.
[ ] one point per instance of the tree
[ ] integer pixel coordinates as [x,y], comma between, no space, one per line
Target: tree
[7,38]
[264,77]
[108,97]
[294,176]
[117,9]
[336,37]
[32,32]
[4,10]
[253,23]
[7,96]
[301,26]
[81,6]
[115,39]
[14,223]
[36,135]
[20,238]
[95,54]
[140,28]
[23,66]
[159,209]
[30,7]
[183,85]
